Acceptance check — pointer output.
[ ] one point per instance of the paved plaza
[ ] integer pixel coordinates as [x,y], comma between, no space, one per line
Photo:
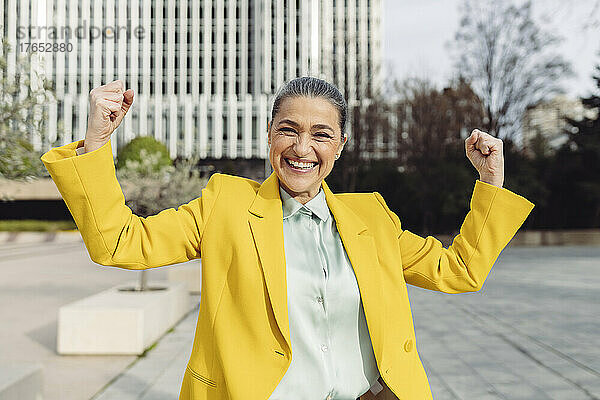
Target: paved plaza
[532,332]
[35,280]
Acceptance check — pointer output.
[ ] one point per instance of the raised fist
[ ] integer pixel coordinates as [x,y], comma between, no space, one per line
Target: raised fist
[486,154]
[108,105]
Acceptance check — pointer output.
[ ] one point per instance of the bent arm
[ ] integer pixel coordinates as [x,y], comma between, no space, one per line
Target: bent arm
[494,217]
[113,235]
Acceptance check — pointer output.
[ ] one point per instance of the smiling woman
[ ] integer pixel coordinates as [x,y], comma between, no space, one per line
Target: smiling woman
[305,138]
[288,267]
[306,134]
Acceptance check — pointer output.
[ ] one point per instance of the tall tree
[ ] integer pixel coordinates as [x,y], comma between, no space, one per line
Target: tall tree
[575,181]
[509,60]
[433,120]
[428,180]
[369,125]
[23,96]
[431,147]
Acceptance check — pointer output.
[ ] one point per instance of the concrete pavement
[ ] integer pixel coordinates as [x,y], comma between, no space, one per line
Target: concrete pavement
[531,333]
[35,280]
[157,375]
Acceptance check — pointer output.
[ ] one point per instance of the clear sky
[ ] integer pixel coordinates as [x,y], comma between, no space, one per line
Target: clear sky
[416,32]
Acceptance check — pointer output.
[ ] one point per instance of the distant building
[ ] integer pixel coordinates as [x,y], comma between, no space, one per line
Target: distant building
[548,120]
[203,72]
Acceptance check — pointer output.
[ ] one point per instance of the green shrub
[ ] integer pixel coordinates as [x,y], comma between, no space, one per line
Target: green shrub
[33,225]
[147,193]
[18,159]
[138,149]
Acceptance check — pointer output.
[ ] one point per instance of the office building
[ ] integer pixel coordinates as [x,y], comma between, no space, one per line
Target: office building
[203,72]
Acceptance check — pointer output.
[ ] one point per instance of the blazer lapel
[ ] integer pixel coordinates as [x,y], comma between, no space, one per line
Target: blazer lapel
[266,224]
[362,252]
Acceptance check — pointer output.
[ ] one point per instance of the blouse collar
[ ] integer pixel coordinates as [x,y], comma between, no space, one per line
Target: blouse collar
[316,205]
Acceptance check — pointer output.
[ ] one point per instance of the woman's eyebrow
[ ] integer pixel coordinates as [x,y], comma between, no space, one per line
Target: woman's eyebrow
[289,122]
[295,124]
[323,126]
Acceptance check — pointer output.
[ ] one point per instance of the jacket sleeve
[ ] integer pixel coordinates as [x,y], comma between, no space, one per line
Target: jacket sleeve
[113,235]
[494,217]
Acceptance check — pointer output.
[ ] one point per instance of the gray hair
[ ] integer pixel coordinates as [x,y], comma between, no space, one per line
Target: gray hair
[308,86]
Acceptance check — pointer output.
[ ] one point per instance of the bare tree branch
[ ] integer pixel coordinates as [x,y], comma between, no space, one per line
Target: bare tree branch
[508,59]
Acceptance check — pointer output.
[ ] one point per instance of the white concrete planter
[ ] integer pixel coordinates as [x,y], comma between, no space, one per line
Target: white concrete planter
[121,322]
[189,273]
[21,382]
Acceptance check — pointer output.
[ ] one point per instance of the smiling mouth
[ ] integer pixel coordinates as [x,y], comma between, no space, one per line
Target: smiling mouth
[301,165]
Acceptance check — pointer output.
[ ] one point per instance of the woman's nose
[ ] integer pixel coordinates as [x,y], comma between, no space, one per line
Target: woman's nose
[302,145]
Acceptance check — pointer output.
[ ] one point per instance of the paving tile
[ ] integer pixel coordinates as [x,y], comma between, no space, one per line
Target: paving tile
[521,391]
[567,394]
[514,340]
[157,375]
[531,331]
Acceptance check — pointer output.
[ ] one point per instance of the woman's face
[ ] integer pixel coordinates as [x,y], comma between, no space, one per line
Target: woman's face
[304,137]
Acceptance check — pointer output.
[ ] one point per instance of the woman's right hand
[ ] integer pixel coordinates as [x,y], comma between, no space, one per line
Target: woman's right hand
[108,105]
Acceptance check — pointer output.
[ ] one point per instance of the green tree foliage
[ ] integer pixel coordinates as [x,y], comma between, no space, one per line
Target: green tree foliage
[138,148]
[563,184]
[528,176]
[433,148]
[152,183]
[575,174]
[22,116]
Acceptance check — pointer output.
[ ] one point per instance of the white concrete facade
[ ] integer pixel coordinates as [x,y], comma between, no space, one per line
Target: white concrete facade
[203,71]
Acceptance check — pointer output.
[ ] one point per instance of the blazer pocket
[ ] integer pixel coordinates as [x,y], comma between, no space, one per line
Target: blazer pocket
[202,378]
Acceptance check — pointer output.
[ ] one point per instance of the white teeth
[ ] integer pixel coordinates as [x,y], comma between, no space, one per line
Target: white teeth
[301,164]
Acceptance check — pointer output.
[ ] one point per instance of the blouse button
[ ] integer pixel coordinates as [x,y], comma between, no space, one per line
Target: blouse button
[320,299]
[324,348]
[408,345]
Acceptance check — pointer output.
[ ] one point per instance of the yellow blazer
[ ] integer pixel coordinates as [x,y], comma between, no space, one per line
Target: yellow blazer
[241,348]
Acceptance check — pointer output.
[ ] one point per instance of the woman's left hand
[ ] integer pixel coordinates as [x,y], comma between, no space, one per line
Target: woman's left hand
[486,154]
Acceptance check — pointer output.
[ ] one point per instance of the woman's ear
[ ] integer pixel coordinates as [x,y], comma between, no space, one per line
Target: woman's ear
[343,142]
[341,147]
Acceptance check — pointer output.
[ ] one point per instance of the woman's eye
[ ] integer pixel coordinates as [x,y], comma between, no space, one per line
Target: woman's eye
[323,135]
[287,130]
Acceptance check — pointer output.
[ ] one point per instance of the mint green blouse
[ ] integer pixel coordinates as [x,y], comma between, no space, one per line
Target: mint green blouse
[332,355]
